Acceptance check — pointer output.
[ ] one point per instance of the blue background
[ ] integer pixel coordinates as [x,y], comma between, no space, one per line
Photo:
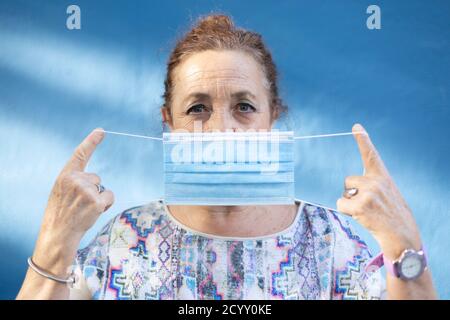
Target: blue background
[57,84]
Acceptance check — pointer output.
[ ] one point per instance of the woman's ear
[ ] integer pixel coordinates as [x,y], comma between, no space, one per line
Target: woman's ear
[275,114]
[165,113]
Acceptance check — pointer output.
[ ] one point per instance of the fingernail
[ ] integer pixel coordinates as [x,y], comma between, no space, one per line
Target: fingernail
[99,134]
[358,127]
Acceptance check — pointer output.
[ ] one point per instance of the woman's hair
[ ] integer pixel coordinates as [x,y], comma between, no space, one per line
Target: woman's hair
[218,32]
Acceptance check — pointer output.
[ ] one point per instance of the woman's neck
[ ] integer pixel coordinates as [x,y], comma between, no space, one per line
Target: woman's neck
[236,221]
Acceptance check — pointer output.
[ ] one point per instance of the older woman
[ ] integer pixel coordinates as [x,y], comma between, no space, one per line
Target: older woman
[225,77]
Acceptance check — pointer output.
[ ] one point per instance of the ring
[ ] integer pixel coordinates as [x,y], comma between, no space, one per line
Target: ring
[100,188]
[350,192]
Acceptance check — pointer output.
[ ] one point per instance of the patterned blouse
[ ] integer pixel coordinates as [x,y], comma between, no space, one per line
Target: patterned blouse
[144,253]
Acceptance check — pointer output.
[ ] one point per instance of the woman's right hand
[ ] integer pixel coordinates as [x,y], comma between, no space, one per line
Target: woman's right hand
[73,207]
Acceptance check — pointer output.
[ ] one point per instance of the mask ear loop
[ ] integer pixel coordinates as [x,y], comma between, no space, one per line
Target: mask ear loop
[134,202]
[130,135]
[327,136]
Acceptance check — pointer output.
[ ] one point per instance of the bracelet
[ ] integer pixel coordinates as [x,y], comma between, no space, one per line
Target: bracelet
[70,280]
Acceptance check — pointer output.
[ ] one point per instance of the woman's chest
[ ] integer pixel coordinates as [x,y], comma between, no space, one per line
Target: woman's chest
[185,266]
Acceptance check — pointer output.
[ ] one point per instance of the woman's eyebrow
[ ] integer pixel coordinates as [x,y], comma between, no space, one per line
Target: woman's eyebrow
[203,96]
[243,94]
[196,96]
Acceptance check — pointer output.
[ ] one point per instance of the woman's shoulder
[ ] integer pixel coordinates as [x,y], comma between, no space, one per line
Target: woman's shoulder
[332,229]
[121,237]
[325,221]
[351,279]
[127,227]
[142,219]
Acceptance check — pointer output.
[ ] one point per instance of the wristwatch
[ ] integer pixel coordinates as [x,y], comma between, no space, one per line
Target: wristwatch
[409,266]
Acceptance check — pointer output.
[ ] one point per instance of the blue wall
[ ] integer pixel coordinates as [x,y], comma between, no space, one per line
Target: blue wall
[56,85]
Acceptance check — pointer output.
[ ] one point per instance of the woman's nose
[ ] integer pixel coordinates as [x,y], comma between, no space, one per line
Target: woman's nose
[220,120]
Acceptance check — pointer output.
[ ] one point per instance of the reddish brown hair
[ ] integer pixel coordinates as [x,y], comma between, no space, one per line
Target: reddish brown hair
[218,32]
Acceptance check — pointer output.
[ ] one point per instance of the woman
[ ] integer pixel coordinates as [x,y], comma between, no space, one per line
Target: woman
[225,78]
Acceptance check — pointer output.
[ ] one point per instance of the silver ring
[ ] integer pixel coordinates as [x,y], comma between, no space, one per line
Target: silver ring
[350,192]
[100,187]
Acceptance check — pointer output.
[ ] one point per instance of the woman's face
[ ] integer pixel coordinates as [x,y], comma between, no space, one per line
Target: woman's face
[219,91]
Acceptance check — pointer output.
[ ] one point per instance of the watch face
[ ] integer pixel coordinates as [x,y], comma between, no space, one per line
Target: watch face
[411,266]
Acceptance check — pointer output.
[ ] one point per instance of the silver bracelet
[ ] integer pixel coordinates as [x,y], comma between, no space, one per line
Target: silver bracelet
[70,280]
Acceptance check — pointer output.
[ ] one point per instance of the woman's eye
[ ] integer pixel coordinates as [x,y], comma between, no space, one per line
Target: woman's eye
[198,108]
[245,107]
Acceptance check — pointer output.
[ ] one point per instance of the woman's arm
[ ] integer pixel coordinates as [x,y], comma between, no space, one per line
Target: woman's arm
[381,209]
[419,289]
[73,207]
[398,289]
[55,256]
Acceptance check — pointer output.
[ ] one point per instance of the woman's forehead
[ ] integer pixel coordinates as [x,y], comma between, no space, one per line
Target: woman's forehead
[216,83]
[219,68]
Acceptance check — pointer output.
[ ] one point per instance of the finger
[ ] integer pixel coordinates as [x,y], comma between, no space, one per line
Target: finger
[371,159]
[107,200]
[84,151]
[355,182]
[346,206]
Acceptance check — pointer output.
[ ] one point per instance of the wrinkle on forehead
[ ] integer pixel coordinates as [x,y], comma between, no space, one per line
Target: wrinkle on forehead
[207,74]
[245,71]
[220,82]
[217,81]
[226,72]
[196,77]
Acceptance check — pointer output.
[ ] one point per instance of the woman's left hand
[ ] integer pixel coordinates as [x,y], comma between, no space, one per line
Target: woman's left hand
[378,205]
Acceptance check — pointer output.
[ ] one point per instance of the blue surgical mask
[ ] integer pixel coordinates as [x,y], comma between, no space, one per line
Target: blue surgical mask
[252,168]
[229,168]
